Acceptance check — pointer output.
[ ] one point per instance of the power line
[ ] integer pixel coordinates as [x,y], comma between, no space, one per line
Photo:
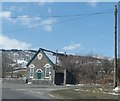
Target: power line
[60,16]
[76,17]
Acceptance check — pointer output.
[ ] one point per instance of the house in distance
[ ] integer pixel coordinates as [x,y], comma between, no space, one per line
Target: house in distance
[45,66]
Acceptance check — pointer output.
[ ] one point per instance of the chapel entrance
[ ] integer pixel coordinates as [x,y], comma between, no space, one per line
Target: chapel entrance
[39,73]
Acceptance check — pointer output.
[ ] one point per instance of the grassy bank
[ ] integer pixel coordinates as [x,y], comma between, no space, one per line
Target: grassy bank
[86,93]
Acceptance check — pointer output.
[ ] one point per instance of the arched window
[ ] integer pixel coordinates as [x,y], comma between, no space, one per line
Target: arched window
[32,71]
[47,70]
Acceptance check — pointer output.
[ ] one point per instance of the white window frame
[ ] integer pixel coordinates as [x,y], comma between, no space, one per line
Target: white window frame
[32,71]
[47,66]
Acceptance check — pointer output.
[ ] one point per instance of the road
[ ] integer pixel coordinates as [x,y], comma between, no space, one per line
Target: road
[25,91]
[13,94]
[31,92]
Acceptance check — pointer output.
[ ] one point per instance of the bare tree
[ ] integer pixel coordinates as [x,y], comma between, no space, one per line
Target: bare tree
[72,64]
[107,66]
[6,64]
[87,69]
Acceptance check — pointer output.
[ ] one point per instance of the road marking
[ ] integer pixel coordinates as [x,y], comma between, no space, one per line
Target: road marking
[51,95]
[40,93]
[20,89]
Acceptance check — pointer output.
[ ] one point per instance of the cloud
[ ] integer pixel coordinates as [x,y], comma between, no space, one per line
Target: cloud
[92,3]
[48,24]
[34,22]
[49,10]
[8,43]
[30,22]
[5,14]
[72,47]
[43,2]
[24,19]
[14,8]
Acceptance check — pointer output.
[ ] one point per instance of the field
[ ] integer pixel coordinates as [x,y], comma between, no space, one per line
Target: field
[87,93]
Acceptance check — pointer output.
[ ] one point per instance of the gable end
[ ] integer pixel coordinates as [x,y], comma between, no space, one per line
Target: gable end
[33,58]
[40,50]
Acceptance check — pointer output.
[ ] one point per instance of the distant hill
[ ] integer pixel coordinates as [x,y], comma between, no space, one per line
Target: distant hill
[20,57]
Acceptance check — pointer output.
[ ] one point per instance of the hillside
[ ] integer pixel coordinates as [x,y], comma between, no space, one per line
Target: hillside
[22,57]
[19,57]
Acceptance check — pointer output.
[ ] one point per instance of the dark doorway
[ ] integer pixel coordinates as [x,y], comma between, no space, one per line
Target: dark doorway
[70,78]
[39,73]
[59,78]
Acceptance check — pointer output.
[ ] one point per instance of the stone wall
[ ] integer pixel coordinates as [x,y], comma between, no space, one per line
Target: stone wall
[42,82]
[23,81]
[14,80]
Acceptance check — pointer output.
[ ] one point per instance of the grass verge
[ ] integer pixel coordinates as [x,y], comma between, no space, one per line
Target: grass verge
[86,93]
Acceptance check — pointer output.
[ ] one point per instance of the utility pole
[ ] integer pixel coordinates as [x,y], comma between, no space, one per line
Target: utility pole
[56,58]
[54,69]
[115,46]
[65,72]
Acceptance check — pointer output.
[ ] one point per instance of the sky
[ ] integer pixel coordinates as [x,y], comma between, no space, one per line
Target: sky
[84,28]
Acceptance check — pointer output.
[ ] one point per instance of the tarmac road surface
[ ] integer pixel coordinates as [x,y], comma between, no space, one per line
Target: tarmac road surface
[14,94]
[25,91]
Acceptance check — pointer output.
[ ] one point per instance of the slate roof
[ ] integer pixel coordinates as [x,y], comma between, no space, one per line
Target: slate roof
[51,56]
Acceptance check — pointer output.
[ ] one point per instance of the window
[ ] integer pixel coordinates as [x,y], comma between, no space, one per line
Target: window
[31,70]
[39,56]
[47,70]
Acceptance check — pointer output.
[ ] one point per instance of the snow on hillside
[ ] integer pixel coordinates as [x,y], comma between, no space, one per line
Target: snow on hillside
[20,57]
[103,57]
[21,61]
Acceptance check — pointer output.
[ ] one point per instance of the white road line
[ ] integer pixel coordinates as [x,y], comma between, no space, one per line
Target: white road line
[51,95]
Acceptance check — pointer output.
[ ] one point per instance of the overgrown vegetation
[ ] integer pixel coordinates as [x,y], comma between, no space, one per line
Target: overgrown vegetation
[88,69]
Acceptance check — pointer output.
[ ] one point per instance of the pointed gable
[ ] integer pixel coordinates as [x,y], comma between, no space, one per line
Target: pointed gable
[49,56]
